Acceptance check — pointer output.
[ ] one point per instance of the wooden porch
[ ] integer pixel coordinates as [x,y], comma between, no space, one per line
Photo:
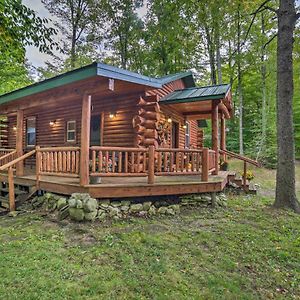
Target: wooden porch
[124,172]
[121,187]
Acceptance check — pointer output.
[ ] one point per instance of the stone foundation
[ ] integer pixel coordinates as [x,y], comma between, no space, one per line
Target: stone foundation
[82,207]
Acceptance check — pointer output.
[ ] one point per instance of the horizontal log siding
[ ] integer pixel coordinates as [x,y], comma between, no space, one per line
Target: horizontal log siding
[12,122]
[118,132]
[176,116]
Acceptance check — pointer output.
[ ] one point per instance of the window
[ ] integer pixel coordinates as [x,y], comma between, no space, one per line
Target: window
[31,131]
[71,131]
[187,134]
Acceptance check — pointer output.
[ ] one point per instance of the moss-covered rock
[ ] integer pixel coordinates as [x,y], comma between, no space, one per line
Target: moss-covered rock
[90,216]
[90,205]
[61,202]
[147,205]
[135,208]
[76,214]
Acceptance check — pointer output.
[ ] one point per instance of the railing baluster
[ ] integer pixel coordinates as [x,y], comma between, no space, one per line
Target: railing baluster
[113,161]
[120,162]
[132,162]
[126,162]
[159,163]
[93,161]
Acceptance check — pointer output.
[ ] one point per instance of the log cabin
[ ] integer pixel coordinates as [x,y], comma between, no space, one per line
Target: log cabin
[114,133]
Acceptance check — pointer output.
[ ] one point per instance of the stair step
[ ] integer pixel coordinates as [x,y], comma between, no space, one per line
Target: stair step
[17,191]
[3,211]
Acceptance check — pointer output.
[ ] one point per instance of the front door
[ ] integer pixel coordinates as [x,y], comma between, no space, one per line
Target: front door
[95,137]
[175,135]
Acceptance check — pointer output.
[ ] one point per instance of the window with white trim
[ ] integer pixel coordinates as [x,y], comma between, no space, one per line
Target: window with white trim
[71,131]
[187,135]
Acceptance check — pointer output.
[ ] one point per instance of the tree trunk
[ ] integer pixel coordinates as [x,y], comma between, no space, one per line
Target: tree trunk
[218,54]
[264,92]
[240,90]
[211,53]
[285,178]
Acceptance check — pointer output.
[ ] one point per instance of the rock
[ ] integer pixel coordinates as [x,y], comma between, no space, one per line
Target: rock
[51,205]
[170,211]
[175,207]
[90,205]
[48,196]
[76,214]
[233,185]
[105,201]
[13,214]
[125,203]
[124,208]
[206,198]
[72,202]
[79,204]
[38,201]
[104,205]
[134,208]
[63,213]
[61,202]
[116,204]
[113,211]
[162,210]
[90,216]
[158,204]
[152,210]
[142,213]
[147,205]
[102,216]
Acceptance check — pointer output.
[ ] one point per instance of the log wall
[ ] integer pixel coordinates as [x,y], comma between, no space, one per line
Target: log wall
[174,115]
[118,132]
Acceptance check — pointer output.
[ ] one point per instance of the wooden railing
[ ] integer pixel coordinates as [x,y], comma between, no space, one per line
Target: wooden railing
[211,160]
[117,161]
[178,161]
[7,156]
[245,160]
[58,161]
[5,151]
[11,186]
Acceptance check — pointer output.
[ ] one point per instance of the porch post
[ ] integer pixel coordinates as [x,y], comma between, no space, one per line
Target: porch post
[223,135]
[215,137]
[85,139]
[19,142]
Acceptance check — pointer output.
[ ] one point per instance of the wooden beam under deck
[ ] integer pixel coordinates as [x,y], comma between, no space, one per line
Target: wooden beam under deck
[127,187]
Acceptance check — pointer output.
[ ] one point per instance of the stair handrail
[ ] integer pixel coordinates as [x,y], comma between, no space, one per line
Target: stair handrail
[17,160]
[13,152]
[245,160]
[240,157]
[11,185]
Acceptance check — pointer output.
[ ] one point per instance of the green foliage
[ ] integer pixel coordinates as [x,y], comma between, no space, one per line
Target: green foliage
[20,27]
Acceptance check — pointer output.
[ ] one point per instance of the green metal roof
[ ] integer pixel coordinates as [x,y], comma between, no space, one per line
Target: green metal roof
[213,92]
[95,69]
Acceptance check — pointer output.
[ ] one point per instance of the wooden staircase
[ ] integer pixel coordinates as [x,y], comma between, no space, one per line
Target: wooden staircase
[238,181]
[23,192]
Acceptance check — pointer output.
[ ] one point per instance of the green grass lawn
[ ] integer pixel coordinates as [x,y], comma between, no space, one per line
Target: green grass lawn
[246,251]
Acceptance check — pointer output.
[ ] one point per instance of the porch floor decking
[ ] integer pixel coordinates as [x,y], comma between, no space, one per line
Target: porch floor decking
[117,187]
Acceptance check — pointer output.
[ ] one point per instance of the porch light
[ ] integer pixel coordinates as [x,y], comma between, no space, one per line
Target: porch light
[169,120]
[112,115]
[52,123]
[15,128]
[184,126]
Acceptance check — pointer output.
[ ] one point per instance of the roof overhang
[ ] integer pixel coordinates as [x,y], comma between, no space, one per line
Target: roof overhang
[92,70]
[196,102]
